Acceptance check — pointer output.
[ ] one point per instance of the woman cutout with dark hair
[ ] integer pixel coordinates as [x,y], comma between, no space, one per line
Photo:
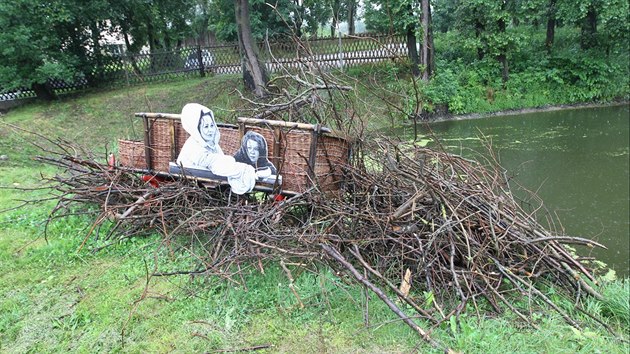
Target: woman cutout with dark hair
[253,151]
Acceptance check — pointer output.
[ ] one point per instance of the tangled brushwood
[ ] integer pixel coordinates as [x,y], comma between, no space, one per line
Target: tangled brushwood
[408,221]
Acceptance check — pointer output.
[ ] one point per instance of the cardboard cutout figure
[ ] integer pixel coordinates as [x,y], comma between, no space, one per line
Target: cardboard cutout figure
[202,150]
[253,151]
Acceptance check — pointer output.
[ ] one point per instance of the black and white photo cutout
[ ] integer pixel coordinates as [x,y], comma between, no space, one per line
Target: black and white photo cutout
[254,151]
[202,156]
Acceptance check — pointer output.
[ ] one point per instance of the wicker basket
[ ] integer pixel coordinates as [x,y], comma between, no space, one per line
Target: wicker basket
[161,155]
[167,138]
[302,154]
[131,154]
[290,151]
[170,133]
[230,139]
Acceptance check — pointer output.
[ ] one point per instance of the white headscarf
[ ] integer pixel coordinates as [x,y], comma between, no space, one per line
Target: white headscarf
[191,119]
[201,154]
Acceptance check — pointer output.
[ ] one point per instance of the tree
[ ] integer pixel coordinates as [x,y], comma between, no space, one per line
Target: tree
[411,18]
[254,73]
[551,25]
[317,14]
[266,21]
[337,7]
[487,20]
[61,39]
[427,56]
[614,24]
[584,16]
[602,23]
[588,26]
[270,19]
[501,45]
[383,16]
[443,14]
[412,47]
[160,24]
[49,40]
[352,13]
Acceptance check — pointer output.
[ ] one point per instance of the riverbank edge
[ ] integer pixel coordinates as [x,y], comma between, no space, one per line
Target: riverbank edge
[443,117]
[446,117]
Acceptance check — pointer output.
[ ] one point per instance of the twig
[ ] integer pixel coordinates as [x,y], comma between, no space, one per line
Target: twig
[291,286]
[246,349]
[424,334]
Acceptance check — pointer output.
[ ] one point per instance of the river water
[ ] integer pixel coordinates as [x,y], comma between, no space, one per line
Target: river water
[576,160]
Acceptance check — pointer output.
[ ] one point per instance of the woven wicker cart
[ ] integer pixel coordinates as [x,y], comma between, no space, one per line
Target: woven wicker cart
[305,155]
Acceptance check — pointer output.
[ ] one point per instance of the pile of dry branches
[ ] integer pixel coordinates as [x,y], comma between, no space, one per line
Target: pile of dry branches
[407,222]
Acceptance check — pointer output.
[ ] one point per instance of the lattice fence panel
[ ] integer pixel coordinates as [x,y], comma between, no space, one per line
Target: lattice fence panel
[327,53]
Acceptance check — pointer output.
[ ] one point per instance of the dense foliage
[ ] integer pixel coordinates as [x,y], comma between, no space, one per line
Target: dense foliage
[465,85]
[44,40]
[483,42]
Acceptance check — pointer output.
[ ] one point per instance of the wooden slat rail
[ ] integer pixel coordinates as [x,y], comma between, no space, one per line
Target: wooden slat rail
[147,142]
[283,124]
[159,115]
[173,116]
[244,120]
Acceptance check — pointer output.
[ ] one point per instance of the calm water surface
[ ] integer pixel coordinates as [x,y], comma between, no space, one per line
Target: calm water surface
[577,161]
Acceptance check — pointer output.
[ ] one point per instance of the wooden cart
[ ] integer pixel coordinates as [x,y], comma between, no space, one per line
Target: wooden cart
[306,155]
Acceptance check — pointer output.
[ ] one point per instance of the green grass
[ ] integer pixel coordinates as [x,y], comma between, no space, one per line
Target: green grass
[58,297]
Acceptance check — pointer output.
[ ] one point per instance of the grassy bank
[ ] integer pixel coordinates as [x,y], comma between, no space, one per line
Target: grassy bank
[56,296]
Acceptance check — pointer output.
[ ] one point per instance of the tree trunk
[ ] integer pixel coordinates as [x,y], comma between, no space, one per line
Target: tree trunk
[254,74]
[431,47]
[336,9]
[132,58]
[164,30]
[153,45]
[44,91]
[203,35]
[412,49]
[299,20]
[502,57]
[505,72]
[151,38]
[551,25]
[352,11]
[551,33]
[98,56]
[589,29]
[479,28]
[391,19]
[426,51]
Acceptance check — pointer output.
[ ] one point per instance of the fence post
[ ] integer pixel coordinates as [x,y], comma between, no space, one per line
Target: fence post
[202,71]
[126,62]
[341,61]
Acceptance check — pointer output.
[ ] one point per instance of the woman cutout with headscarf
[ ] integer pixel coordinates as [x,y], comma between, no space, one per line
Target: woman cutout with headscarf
[202,150]
[253,151]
